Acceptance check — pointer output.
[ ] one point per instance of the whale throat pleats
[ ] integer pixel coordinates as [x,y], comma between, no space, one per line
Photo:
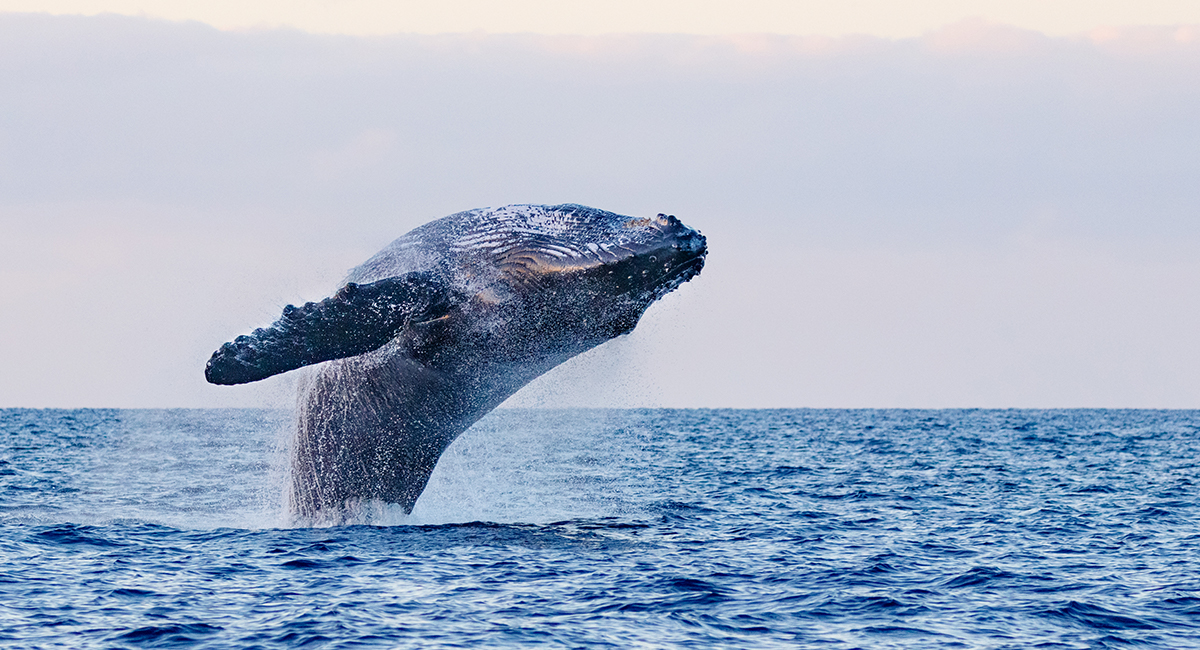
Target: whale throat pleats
[357,319]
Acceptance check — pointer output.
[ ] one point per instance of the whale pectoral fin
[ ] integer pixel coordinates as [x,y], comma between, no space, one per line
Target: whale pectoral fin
[355,320]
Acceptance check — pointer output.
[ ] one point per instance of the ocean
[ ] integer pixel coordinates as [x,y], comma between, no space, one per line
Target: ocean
[615,528]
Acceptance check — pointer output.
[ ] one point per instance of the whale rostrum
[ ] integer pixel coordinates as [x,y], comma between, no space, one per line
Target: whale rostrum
[443,325]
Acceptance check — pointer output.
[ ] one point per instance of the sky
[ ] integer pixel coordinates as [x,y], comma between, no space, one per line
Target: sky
[965,208]
[885,18]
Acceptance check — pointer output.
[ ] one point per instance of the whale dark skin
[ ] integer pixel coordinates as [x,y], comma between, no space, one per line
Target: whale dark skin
[443,325]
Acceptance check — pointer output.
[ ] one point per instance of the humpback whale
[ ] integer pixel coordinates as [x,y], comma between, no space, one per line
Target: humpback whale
[443,325]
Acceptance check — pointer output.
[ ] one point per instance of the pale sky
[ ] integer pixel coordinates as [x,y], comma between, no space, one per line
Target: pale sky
[886,18]
[979,216]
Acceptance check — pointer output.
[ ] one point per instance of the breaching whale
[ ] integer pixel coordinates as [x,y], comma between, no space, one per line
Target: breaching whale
[443,325]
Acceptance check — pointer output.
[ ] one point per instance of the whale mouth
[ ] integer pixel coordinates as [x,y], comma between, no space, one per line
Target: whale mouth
[694,248]
[689,268]
[686,263]
[679,273]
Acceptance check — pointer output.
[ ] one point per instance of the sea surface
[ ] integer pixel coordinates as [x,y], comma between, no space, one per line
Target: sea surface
[615,528]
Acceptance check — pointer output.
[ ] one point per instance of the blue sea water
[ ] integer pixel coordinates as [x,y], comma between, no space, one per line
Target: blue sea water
[615,528]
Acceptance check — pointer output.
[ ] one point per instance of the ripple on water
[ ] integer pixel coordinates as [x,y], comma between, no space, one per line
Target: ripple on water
[660,528]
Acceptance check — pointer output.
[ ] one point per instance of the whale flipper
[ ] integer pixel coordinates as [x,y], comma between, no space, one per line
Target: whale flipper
[357,319]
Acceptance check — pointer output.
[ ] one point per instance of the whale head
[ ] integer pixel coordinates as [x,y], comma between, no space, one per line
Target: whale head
[592,272]
[574,242]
